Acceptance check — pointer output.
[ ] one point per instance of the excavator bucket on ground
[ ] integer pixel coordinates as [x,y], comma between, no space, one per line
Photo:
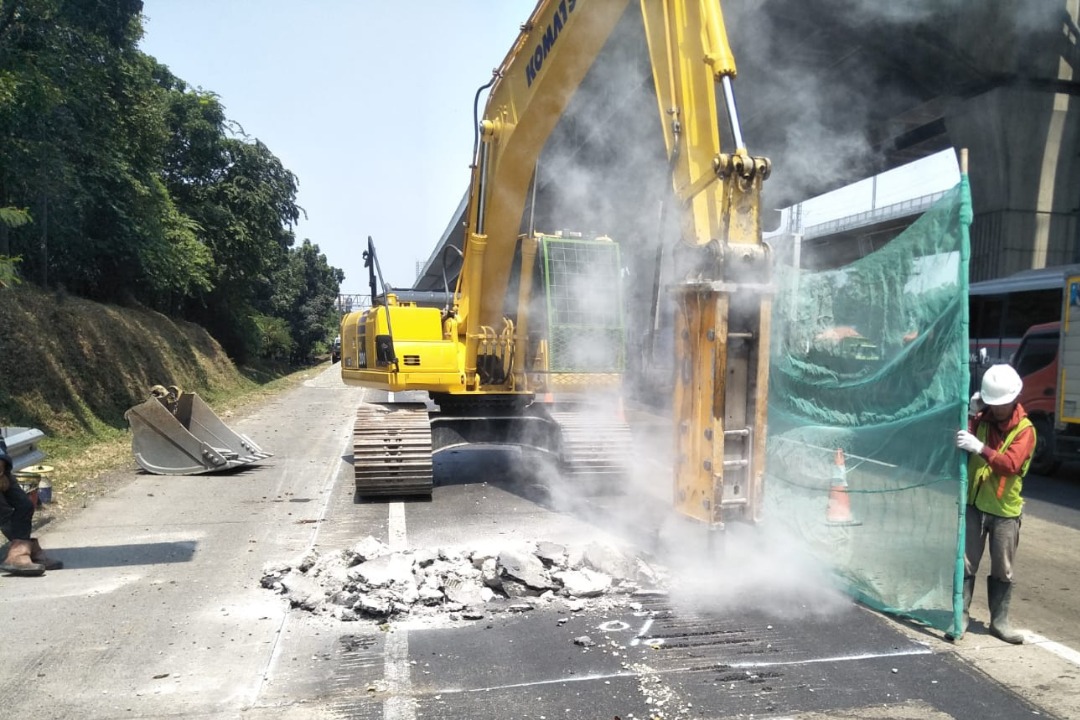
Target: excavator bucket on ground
[176,433]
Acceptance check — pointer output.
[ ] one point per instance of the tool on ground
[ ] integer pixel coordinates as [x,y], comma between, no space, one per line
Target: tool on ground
[176,433]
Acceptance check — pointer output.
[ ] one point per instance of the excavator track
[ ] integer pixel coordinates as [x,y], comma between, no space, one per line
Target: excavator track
[392,451]
[595,451]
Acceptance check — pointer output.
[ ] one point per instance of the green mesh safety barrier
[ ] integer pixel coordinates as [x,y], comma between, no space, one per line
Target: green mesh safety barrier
[869,382]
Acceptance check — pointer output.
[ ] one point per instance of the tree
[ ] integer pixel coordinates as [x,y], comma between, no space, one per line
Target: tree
[305,292]
[9,217]
[140,188]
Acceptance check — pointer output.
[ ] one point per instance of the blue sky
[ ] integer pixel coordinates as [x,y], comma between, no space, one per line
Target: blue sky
[368,103]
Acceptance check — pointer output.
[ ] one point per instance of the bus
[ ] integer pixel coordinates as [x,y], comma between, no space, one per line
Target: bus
[1001,311]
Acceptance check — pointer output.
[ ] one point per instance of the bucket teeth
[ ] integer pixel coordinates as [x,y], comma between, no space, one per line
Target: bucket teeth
[178,434]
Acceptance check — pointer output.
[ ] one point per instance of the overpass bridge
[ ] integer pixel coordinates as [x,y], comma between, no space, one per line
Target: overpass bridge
[834,91]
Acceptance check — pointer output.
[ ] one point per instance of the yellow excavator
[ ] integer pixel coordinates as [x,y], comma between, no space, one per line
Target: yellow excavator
[533,331]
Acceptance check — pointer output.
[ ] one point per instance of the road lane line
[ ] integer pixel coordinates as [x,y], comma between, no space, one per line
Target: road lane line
[1062,651]
[326,490]
[399,541]
[834,658]
[678,670]
[553,681]
[400,704]
[642,632]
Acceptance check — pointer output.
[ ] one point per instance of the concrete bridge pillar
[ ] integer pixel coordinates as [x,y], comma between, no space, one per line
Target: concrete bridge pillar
[1023,134]
[1024,147]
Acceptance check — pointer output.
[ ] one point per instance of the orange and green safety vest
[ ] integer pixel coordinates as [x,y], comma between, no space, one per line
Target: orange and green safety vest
[998,495]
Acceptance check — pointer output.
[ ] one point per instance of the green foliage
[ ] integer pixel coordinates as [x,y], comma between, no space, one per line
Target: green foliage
[14,217]
[141,189]
[9,274]
[304,292]
[275,343]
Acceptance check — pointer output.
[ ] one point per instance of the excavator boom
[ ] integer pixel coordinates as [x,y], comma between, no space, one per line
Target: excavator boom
[491,353]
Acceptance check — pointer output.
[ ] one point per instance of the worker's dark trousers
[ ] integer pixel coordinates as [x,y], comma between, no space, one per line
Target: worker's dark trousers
[16,512]
[1004,536]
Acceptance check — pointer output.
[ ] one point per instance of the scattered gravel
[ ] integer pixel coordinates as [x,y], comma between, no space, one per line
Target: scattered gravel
[369,581]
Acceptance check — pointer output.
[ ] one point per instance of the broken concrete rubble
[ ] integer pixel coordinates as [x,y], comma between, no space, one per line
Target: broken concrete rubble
[369,580]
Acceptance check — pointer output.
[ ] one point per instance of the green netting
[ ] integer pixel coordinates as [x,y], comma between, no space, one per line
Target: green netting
[871,360]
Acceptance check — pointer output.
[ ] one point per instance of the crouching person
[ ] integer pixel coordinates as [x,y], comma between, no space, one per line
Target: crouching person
[25,556]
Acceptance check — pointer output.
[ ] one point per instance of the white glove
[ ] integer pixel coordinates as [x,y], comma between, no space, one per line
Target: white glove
[967,441]
[975,405]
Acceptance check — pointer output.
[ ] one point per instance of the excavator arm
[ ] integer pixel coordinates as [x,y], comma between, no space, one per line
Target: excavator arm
[477,351]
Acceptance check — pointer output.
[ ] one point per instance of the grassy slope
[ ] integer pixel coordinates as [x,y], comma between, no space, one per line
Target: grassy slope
[71,368]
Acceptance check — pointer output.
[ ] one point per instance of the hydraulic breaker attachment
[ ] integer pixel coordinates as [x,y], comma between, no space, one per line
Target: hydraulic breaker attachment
[176,433]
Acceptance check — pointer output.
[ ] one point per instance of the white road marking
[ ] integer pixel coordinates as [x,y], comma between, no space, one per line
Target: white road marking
[1062,651]
[641,633]
[399,541]
[678,670]
[326,488]
[400,704]
[834,658]
[552,681]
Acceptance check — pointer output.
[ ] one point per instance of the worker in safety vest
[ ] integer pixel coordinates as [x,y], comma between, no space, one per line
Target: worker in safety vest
[1001,441]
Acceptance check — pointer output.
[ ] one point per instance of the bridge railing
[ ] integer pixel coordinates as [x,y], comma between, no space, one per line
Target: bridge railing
[348,303]
[906,208]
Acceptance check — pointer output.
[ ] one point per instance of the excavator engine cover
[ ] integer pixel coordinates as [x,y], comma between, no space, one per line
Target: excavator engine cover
[176,433]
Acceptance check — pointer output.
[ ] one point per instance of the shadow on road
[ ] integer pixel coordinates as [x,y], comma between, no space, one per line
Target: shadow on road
[1061,488]
[99,556]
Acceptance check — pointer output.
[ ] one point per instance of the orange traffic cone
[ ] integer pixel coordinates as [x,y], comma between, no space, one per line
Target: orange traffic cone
[839,512]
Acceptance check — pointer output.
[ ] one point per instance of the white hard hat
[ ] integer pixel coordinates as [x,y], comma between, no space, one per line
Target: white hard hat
[1000,385]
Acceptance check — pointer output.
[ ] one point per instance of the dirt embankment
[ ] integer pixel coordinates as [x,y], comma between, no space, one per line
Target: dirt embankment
[71,368]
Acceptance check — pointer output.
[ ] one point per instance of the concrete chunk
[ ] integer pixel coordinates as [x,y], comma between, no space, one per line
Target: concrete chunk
[464,592]
[583,583]
[525,568]
[608,560]
[302,590]
[367,549]
[379,572]
[551,554]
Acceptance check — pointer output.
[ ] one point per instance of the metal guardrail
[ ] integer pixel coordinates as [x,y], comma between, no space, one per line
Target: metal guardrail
[906,208]
[21,445]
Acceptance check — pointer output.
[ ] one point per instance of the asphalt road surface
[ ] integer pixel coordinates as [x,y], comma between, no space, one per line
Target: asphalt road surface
[160,613]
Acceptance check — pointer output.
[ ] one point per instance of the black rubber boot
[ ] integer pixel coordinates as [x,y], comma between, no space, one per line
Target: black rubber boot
[969,590]
[999,594]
